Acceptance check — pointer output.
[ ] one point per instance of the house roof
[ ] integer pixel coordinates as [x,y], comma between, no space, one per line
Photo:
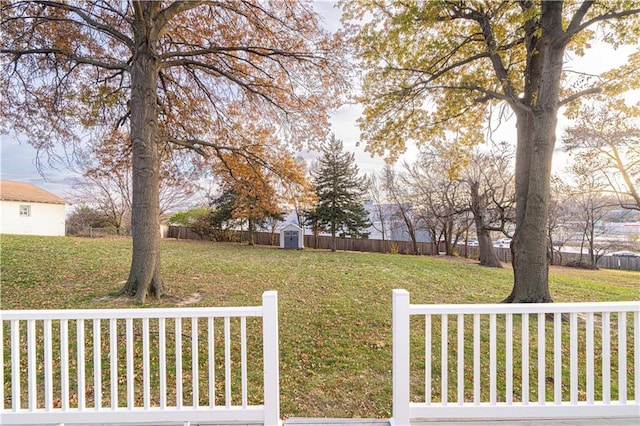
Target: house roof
[26,192]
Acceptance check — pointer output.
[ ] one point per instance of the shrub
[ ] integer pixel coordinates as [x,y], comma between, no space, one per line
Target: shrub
[393,248]
[581,265]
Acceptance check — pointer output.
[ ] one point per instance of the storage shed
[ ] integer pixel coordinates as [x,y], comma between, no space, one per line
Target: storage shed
[291,237]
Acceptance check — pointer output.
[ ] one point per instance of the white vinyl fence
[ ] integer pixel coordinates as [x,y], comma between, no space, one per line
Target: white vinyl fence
[515,360]
[214,365]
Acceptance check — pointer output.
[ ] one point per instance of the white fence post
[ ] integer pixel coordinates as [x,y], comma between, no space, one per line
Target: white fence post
[271,358]
[400,358]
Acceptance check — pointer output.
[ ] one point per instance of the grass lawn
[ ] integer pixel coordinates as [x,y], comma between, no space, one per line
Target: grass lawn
[335,308]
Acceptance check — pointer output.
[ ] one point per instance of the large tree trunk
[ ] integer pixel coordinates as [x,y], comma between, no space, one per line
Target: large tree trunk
[144,277]
[529,245]
[536,141]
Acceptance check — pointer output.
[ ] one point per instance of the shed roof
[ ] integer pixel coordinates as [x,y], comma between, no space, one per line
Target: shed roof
[27,192]
[290,226]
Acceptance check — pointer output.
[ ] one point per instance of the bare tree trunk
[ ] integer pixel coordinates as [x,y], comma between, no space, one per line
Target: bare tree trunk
[435,243]
[582,245]
[333,236]
[144,277]
[250,238]
[536,141]
[385,247]
[447,231]
[412,235]
[591,240]
[487,254]
[550,247]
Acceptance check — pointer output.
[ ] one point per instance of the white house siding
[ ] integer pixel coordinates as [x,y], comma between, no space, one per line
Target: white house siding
[44,219]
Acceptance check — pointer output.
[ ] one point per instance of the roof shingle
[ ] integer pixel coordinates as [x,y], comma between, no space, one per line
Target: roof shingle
[26,192]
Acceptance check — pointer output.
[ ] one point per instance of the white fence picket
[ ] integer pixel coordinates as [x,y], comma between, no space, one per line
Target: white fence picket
[243,359]
[48,365]
[195,383]
[493,398]
[444,350]
[178,345]
[427,370]
[227,362]
[542,350]
[212,374]
[590,370]
[573,356]
[146,381]
[15,364]
[31,364]
[622,357]
[509,357]
[460,358]
[525,360]
[97,365]
[476,359]
[113,353]
[162,362]
[557,358]
[606,358]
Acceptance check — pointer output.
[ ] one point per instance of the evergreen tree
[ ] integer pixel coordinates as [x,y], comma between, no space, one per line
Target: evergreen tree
[220,219]
[340,194]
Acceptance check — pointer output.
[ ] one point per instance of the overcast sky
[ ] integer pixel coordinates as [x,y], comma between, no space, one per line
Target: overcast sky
[18,158]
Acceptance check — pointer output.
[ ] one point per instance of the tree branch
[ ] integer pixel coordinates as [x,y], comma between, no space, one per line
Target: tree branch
[170,12]
[577,18]
[247,85]
[604,17]
[591,91]
[54,51]
[106,29]
[256,50]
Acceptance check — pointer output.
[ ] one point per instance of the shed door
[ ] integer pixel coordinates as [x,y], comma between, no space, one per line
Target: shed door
[291,239]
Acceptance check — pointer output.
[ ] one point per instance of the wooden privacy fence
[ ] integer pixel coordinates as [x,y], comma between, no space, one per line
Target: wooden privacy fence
[403,247]
[515,360]
[368,245]
[321,242]
[620,262]
[141,365]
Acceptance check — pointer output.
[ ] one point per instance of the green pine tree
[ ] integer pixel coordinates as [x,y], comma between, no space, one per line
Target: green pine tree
[340,194]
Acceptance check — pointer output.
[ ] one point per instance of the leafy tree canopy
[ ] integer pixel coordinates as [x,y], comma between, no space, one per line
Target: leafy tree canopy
[440,68]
